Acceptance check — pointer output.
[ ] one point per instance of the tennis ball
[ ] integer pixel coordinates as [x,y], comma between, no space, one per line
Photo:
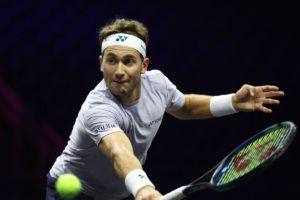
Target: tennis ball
[68,186]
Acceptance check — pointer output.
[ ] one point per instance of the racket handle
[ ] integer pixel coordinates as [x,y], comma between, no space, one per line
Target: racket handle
[176,194]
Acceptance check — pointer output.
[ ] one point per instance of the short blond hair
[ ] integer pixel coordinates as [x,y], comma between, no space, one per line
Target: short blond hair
[122,25]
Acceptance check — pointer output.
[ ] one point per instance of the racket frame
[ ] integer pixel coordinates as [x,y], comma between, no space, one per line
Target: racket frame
[197,185]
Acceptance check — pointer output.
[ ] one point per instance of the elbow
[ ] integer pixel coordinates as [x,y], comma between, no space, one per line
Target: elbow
[185,112]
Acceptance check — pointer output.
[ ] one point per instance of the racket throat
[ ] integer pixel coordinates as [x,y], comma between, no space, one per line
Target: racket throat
[197,187]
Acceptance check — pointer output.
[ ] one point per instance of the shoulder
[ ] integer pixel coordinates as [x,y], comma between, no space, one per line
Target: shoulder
[153,73]
[154,76]
[104,114]
[100,100]
[104,109]
[100,109]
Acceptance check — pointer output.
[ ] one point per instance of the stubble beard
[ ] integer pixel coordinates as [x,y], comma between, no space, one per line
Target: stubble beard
[125,90]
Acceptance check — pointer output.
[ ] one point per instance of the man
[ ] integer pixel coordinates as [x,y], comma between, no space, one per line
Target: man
[120,117]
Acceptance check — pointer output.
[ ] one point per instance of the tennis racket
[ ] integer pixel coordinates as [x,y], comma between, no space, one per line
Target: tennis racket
[243,162]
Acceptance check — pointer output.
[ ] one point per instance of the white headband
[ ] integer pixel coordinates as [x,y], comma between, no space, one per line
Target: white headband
[124,39]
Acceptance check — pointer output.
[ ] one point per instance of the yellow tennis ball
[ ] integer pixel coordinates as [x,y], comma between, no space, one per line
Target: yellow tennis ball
[68,186]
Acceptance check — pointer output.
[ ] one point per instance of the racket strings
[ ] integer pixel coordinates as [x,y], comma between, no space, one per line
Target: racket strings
[254,154]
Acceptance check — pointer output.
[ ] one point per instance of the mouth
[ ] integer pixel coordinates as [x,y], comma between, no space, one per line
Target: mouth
[120,82]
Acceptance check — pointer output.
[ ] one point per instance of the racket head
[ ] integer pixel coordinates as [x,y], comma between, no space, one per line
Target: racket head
[253,155]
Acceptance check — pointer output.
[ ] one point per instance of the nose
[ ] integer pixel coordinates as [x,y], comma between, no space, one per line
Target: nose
[119,73]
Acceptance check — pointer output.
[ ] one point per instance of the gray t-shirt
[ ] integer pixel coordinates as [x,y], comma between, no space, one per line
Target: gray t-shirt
[102,114]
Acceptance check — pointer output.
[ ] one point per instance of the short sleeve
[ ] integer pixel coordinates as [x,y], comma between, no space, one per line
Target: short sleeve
[175,98]
[100,122]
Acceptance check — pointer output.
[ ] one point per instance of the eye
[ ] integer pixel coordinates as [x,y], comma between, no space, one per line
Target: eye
[111,60]
[129,61]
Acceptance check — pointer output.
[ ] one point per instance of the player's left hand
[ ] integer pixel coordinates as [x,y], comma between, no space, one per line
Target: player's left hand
[254,98]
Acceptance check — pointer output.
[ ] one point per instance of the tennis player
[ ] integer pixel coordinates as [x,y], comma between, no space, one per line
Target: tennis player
[121,116]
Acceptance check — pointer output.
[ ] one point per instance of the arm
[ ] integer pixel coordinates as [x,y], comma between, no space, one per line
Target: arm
[118,149]
[248,98]
[195,107]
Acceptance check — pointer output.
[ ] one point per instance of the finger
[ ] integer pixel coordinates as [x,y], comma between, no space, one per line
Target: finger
[265,109]
[273,94]
[271,101]
[252,90]
[266,88]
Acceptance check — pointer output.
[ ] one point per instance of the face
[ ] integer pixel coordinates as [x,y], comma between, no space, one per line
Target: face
[122,68]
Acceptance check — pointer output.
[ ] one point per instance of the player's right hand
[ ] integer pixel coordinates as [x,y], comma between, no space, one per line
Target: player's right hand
[148,193]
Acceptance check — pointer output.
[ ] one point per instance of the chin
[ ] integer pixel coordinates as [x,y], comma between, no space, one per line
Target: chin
[119,92]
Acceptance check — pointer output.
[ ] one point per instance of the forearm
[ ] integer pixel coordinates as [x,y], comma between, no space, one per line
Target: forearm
[124,162]
[195,107]
[119,150]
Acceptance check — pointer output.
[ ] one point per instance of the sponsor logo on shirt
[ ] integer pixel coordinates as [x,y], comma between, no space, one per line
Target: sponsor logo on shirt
[104,127]
[154,121]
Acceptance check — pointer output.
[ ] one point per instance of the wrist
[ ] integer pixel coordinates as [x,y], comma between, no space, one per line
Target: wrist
[222,105]
[136,180]
[234,103]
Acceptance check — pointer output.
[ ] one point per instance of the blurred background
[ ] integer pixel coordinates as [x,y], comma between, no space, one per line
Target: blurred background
[49,63]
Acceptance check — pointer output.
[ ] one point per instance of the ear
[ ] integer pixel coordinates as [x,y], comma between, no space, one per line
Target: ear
[145,65]
[101,61]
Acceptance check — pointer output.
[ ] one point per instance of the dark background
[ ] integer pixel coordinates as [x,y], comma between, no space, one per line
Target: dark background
[49,62]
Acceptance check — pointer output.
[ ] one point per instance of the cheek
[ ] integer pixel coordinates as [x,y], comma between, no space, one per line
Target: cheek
[136,76]
[135,71]
[106,71]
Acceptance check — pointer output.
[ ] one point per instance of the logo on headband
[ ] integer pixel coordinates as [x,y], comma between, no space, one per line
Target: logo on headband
[121,38]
